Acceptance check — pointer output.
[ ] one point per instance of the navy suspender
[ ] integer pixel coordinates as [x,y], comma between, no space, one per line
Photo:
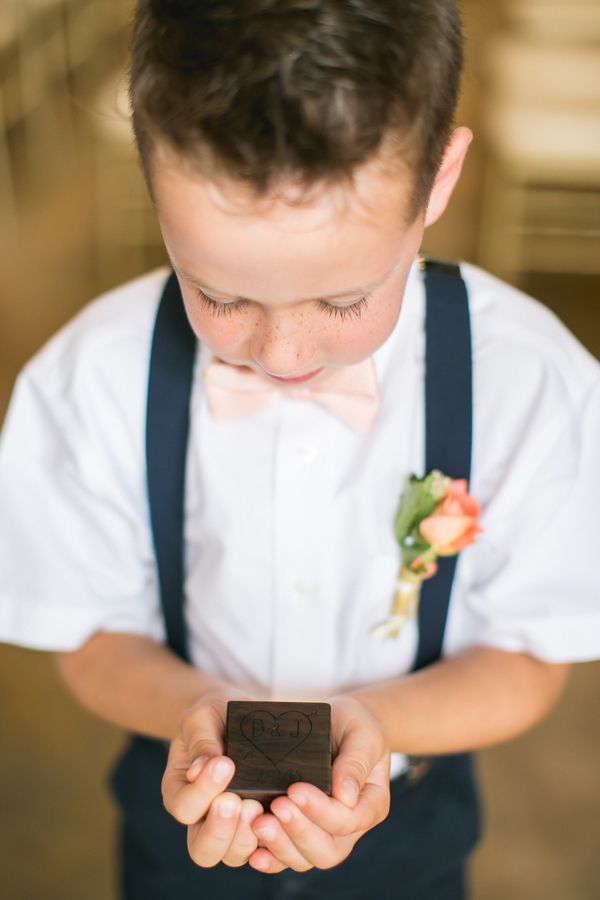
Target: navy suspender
[167,427]
[448,424]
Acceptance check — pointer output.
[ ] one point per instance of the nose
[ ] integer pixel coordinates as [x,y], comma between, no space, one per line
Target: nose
[283,348]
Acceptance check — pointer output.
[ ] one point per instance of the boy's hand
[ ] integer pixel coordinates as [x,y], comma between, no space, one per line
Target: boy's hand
[195,781]
[309,829]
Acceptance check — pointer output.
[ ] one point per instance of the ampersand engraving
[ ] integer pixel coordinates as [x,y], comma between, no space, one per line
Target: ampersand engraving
[275,736]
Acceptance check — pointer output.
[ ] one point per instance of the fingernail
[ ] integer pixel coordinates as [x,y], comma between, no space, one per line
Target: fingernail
[249,814]
[350,789]
[284,815]
[221,770]
[226,807]
[267,833]
[299,799]
[197,764]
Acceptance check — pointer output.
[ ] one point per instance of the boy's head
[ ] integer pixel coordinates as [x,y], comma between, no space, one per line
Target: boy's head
[295,149]
[265,91]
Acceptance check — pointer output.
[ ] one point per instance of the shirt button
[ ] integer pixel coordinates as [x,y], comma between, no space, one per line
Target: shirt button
[307,453]
[302,588]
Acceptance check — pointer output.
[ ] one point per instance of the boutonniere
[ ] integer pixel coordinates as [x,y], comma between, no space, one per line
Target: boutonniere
[435,517]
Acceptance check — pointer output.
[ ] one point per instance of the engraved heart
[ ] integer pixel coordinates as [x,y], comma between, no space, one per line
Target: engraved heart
[275,736]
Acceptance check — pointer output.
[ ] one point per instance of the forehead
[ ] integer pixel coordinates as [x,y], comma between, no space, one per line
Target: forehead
[290,243]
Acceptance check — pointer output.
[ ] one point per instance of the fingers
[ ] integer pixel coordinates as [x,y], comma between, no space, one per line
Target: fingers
[244,842]
[277,850]
[361,747]
[298,843]
[196,769]
[264,861]
[189,791]
[308,828]
[335,817]
[226,834]
[209,841]
[193,785]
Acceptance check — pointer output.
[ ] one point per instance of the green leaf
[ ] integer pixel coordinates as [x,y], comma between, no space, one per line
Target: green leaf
[413,546]
[418,500]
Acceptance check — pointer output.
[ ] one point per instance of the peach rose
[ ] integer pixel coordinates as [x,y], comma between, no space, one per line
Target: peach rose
[454,524]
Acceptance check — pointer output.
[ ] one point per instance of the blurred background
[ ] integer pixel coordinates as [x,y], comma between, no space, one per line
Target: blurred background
[75,220]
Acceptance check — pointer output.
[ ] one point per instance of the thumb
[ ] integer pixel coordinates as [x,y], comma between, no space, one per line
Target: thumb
[202,749]
[202,734]
[361,749]
[199,739]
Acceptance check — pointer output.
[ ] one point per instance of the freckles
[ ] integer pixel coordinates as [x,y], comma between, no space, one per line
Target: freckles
[220,336]
[362,337]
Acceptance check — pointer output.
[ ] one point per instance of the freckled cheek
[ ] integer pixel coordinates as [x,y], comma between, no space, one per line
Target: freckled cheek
[221,334]
[356,340]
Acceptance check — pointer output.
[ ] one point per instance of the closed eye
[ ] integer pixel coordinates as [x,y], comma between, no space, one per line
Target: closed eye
[227,309]
[345,312]
[219,309]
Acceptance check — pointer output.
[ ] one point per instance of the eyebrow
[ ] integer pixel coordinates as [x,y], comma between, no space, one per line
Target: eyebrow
[361,289]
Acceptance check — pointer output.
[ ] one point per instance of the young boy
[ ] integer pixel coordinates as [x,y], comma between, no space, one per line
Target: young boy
[295,151]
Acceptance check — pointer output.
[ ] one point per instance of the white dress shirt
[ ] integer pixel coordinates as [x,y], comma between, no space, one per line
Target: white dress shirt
[290,551]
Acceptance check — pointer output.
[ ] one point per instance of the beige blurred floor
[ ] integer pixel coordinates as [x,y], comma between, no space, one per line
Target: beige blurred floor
[542,791]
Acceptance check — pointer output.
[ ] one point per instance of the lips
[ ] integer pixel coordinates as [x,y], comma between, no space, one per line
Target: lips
[297,380]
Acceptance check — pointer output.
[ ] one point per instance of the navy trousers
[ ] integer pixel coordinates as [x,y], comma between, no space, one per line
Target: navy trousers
[417,853]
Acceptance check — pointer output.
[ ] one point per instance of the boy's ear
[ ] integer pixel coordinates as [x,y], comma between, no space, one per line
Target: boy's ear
[448,174]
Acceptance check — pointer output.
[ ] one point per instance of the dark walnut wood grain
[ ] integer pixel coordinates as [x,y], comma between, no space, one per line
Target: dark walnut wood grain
[275,744]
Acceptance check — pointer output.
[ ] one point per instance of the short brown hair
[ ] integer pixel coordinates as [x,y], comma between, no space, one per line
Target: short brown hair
[305,89]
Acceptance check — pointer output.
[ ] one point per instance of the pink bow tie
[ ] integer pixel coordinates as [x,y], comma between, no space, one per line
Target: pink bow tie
[350,393]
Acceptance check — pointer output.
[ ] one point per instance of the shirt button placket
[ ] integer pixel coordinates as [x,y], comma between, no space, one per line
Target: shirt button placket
[296,505]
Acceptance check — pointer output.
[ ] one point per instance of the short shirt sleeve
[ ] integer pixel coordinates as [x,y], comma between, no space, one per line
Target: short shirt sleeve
[75,549]
[531,582]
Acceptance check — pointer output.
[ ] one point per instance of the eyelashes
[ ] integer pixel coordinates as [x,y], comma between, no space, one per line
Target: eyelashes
[345,312]
[218,309]
[355,310]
